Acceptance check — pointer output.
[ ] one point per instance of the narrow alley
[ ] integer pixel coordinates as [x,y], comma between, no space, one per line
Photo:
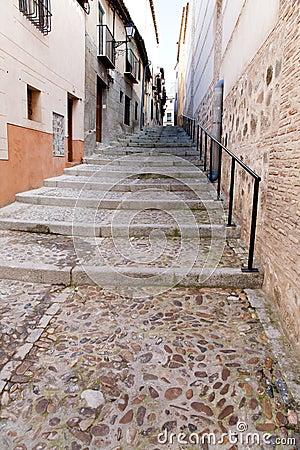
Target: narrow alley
[157,332]
[149,225]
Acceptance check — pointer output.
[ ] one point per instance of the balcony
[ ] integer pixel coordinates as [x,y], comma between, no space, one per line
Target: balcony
[38,12]
[106,48]
[85,5]
[132,67]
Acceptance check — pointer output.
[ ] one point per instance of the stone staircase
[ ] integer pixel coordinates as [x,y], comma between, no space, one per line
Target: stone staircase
[137,217]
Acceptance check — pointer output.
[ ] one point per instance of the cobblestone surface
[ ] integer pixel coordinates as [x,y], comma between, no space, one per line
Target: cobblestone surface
[21,307]
[112,373]
[59,251]
[90,216]
[39,248]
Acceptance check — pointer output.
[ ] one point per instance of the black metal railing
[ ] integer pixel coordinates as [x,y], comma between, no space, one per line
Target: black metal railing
[85,5]
[132,66]
[106,47]
[38,12]
[206,144]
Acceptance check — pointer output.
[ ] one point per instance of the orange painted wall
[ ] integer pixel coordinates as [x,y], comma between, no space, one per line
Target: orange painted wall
[30,161]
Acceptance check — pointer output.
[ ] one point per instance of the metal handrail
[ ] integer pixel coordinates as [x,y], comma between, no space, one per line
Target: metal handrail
[190,126]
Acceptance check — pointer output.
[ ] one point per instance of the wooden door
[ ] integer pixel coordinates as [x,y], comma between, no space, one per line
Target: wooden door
[70,129]
[99,111]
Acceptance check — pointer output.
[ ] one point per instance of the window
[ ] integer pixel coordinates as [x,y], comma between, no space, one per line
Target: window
[127,111]
[38,12]
[34,110]
[169,117]
[121,96]
[136,111]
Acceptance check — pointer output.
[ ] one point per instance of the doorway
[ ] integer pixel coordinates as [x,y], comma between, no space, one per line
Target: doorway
[70,128]
[99,108]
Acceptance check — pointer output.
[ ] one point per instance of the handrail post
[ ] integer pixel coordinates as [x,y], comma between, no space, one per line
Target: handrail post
[205,152]
[210,159]
[201,139]
[197,138]
[219,172]
[194,129]
[253,228]
[230,206]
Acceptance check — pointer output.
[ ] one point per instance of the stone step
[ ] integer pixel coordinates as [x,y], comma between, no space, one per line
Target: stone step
[122,151]
[79,182]
[164,145]
[68,220]
[110,203]
[157,140]
[148,191]
[41,259]
[118,172]
[146,161]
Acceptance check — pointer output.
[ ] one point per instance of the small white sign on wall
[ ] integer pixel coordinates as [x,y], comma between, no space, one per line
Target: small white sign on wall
[58,125]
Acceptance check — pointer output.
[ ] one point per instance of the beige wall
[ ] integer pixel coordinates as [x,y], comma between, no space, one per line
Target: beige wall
[47,63]
[52,64]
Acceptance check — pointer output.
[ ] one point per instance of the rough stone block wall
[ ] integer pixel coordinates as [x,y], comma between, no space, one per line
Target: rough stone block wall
[262,124]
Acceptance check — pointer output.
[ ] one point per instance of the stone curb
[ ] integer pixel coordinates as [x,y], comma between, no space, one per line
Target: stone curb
[35,273]
[218,278]
[23,351]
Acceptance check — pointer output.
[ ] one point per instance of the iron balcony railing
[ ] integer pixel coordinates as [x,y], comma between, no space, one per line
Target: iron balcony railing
[132,66]
[106,47]
[205,142]
[85,5]
[38,12]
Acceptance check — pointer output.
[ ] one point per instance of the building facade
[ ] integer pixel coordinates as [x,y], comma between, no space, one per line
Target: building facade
[254,47]
[119,73]
[41,90]
[70,78]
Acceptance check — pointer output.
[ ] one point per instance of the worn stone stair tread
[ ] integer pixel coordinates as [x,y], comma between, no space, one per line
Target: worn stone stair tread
[132,184]
[150,191]
[115,172]
[109,202]
[65,266]
[147,161]
[116,151]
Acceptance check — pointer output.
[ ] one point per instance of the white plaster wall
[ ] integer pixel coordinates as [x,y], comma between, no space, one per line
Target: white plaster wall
[256,19]
[53,64]
[142,18]
[200,49]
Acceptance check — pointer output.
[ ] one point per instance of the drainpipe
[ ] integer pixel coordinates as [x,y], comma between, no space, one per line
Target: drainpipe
[217,129]
[143,97]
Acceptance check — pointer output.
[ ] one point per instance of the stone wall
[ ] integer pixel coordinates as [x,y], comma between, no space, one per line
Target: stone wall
[261,125]
[261,121]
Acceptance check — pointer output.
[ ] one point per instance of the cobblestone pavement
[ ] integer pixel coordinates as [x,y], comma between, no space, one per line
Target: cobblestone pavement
[86,369]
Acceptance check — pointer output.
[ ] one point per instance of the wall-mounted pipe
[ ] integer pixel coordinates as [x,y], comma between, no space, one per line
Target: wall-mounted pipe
[217,129]
[142,115]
